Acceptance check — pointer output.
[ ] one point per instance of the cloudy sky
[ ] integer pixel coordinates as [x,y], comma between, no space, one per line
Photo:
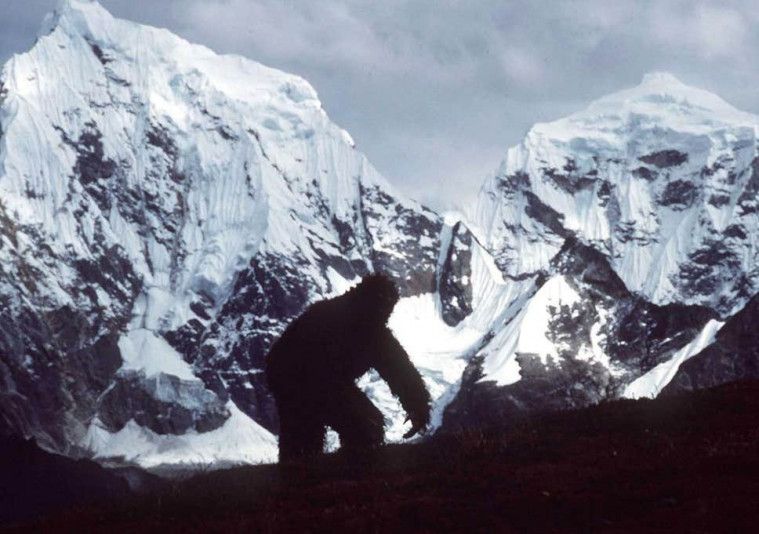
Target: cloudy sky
[434,91]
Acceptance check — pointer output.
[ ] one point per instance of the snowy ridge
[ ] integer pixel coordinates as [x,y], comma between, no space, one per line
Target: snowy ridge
[525,333]
[649,176]
[187,205]
[661,100]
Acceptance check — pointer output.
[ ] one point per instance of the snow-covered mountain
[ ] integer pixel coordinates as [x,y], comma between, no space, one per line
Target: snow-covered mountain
[660,178]
[165,211]
[630,229]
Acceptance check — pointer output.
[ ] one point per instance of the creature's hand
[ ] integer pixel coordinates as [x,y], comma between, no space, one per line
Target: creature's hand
[418,423]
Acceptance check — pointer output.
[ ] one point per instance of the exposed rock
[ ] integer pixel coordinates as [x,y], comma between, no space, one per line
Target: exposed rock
[665,158]
[679,194]
[734,355]
[455,277]
[602,338]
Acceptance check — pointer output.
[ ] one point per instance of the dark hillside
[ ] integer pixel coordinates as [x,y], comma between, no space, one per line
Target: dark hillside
[688,462]
[34,482]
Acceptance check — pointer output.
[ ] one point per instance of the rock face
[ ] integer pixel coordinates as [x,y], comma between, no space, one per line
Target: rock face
[454,285]
[733,355]
[581,337]
[166,211]
[163,403]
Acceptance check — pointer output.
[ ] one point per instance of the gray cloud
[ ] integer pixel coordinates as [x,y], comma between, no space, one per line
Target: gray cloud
[434,91]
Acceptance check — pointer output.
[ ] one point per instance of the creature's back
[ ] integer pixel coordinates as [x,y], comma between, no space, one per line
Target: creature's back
[316,343]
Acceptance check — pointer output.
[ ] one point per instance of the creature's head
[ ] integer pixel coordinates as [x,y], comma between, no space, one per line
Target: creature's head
[378,295]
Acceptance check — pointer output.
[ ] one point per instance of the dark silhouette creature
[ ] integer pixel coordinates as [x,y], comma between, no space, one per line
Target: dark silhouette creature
[313,367]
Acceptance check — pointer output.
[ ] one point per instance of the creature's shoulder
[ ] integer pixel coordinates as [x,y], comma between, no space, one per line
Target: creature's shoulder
[317,316]
[334,308]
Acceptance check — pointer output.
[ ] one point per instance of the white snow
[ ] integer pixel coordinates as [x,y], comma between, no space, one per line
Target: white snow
[251,144]
[239,440]
[650,384]
[604,143]
[144,350]
[238,193]
[436,349]
[526,333]
[660,98]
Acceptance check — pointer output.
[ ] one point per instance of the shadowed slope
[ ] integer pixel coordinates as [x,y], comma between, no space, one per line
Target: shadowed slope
[687,462]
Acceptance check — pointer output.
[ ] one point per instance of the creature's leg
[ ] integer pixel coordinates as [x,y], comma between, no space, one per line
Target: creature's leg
[359,423]
[301,433]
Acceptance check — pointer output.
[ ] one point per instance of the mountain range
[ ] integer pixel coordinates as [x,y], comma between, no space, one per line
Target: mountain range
[165,211]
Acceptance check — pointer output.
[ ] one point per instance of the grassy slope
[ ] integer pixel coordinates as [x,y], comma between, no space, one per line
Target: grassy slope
[690,462]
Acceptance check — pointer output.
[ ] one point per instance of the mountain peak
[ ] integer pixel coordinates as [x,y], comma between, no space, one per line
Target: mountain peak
[660,100]
[81,7]
[660,78]
[77,15]
[199,175]
[662,94]
[76,4]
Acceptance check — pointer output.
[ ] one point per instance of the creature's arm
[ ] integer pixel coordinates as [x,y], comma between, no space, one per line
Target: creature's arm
[393,365]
